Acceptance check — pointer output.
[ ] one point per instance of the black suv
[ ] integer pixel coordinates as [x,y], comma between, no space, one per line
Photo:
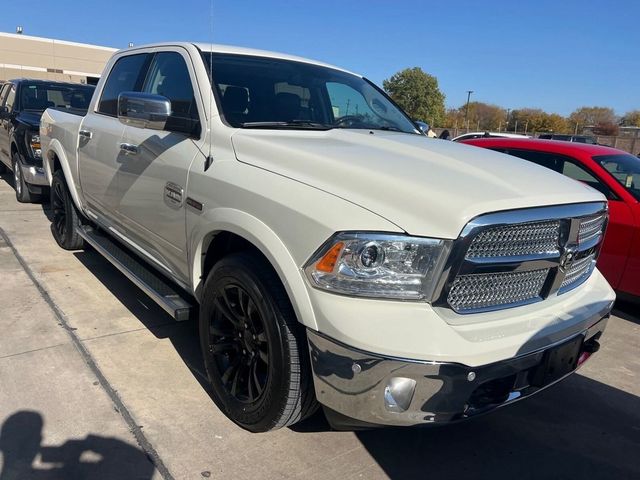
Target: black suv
[21,105]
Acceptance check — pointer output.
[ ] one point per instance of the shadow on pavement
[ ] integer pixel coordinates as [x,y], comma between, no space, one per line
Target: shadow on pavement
[628,309]
[579,428]
[93,457]
[182,335]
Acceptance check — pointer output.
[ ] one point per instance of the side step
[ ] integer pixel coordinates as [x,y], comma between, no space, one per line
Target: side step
[157,288]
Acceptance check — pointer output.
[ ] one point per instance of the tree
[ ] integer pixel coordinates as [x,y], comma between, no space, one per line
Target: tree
[454,118]
[484,116]
[631,119]
[537,120]
[418,94]
[599,117]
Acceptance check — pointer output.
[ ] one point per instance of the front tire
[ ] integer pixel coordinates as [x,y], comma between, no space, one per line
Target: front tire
[66,220]
[23,195]
[255,350]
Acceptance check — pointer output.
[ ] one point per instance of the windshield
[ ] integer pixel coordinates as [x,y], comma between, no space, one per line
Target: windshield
[261,92]
[41,96]
[625,169]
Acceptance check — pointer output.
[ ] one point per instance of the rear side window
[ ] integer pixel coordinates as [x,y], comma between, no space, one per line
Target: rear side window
[126,75]
[169,76]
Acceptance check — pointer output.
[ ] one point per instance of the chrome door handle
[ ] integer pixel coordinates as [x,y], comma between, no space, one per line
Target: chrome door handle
[129,148]
[85,134]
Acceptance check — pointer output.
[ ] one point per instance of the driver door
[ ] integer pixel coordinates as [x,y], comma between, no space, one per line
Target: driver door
[152,179]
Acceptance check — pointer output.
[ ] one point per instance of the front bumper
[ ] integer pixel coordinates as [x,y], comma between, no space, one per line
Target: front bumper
[34,175]
[368,389]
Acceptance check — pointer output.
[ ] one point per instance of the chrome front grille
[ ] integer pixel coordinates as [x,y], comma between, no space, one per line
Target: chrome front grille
[536,238]
[578,272]
[591,228]
[489,290]
[506,259]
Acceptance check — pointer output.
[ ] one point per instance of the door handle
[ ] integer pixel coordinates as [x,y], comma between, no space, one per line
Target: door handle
[85,134]
[129,148]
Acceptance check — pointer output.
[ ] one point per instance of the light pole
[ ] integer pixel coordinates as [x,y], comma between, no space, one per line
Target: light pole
[466,111]
[506,127]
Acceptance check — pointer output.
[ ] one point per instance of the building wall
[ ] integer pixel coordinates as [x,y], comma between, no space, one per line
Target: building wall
[23,56]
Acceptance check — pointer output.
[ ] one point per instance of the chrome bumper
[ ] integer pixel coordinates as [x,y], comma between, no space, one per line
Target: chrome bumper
[34,175]
[365,389]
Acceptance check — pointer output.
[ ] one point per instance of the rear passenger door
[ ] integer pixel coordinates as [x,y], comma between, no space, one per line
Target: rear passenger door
[100,158]
[152,182]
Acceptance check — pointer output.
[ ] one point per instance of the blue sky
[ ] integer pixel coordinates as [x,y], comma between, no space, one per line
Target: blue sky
[556,55]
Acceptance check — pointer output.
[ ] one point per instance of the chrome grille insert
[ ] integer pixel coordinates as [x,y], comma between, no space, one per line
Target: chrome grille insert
[490,290]
[535,238]
[578,272]
[517,257]
[590,228]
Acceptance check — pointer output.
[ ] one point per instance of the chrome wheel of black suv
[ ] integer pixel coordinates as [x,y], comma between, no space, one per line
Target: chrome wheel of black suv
[23,195]
[65,216]
[254,348]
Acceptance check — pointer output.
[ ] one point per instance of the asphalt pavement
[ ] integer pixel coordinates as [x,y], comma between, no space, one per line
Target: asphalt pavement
[97,382]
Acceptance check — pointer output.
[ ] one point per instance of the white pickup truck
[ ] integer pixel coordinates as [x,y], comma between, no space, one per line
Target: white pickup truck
[332,254]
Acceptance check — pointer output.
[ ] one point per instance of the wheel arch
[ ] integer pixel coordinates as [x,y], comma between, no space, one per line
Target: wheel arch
[229,230]
[55,159]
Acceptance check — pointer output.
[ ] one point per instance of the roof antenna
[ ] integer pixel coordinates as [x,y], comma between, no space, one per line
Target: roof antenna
[209,160]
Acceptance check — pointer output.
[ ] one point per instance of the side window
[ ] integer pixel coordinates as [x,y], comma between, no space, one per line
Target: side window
[548,160]
[168,76]
[577,172]
[125,76]
[564,165]
[11,97]
[3,92]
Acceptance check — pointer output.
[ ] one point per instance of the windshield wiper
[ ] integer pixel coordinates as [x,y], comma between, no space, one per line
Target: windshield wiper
[303,124]
[387,128]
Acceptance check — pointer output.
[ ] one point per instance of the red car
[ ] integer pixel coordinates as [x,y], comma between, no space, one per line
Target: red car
[614,173]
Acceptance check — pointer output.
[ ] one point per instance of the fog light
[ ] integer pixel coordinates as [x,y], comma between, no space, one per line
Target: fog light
[398,394]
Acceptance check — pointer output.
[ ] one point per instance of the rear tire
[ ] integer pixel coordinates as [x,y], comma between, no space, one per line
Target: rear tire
[66,219]
[23,195]
[255,350]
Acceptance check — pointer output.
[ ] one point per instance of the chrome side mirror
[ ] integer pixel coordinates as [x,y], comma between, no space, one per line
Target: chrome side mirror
[144,110]
[422,126]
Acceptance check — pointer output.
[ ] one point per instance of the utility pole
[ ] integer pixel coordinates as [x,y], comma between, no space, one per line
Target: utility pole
[466,111]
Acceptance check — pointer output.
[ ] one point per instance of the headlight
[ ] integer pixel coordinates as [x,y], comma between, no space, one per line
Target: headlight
[378,265]
[35,146]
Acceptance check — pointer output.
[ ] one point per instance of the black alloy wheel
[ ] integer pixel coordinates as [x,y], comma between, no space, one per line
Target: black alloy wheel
[255,351]
[65,217]
[238,343]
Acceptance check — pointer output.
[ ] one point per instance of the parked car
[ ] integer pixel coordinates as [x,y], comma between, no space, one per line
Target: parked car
[472,135]
[338,259]
[569,138]
[615,174]
[21,105]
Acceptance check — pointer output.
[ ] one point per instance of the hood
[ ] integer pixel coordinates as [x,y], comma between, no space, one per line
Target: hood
[30,118]
[427,187]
